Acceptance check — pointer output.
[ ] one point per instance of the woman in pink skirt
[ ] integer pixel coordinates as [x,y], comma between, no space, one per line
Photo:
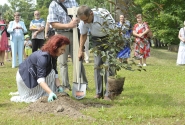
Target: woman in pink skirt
[3,41]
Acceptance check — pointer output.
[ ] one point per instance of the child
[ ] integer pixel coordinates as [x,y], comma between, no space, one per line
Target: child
[27,45]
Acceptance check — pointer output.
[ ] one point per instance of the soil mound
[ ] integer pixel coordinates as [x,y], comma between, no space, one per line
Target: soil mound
[63,105]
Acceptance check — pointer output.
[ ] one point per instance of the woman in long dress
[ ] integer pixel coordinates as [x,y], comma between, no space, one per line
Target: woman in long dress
[181,51]
[124,54]
[142,46]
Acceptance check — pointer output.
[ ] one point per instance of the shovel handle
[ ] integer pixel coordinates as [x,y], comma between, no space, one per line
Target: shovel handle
[80,67]
[80,70]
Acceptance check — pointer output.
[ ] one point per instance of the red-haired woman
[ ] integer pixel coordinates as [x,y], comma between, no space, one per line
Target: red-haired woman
[142,46]
[37,75]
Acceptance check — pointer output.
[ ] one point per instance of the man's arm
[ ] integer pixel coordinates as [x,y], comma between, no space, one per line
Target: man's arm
[72,24]
[83,39]
[46,29]
[40,29]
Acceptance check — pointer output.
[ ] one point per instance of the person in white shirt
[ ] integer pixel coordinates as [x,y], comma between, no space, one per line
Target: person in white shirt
[17,29]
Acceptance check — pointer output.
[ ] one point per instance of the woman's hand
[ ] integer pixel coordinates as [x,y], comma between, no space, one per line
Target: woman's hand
[60,89]
[140,35]
[52,97]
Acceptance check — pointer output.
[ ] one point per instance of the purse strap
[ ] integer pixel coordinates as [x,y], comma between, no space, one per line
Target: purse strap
[64,8]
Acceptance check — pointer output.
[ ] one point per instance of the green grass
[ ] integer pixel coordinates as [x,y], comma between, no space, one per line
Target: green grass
[154,97]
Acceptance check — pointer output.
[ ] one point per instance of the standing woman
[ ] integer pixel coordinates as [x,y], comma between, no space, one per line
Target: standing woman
[37,75]
[125,27]
[17,29]
[142,46]
[181,51]
[3,41]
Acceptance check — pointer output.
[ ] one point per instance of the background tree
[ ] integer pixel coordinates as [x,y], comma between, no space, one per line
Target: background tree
[164,17]
[42,6]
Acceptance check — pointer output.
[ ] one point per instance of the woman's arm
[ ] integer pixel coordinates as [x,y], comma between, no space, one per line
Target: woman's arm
[45,87]
[57,82]
[46,29]
[180,37]
[10,27]
[24,27]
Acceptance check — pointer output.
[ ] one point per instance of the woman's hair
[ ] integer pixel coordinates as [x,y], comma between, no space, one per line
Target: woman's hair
[139,16]
[16,14]
[84,10]
[54,43]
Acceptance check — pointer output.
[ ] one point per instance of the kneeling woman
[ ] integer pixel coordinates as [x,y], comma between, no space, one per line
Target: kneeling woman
[37,75]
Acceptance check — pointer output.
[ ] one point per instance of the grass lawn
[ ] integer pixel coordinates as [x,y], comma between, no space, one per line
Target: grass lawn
[154,97]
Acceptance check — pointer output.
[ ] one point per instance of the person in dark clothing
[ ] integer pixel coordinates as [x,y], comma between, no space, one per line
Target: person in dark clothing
[37,75]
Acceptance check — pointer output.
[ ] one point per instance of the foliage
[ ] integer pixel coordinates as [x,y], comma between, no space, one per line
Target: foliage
[164,17]
[95,3]
[42,6]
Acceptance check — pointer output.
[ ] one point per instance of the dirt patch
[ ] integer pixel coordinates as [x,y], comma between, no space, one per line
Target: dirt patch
[63,105]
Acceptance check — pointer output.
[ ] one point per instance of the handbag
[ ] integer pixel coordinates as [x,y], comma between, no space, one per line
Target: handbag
[51,32]
[149,34]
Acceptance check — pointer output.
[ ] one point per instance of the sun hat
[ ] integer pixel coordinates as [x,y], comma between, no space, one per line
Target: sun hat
[26,36]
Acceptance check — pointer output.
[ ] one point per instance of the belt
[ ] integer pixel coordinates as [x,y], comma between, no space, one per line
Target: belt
[95,37]
[70,30]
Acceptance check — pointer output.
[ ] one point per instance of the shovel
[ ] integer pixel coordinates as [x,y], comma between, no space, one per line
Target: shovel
[79,89]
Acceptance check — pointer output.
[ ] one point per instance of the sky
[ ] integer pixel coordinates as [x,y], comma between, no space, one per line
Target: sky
[3,2]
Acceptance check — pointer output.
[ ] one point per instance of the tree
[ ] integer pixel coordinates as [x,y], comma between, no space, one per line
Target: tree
[42,7]
[164,17]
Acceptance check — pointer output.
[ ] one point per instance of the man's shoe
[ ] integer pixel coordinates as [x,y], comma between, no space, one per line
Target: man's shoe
[107,98]
[97,96]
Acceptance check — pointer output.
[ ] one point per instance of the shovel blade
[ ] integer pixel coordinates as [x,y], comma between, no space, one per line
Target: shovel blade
[79,92]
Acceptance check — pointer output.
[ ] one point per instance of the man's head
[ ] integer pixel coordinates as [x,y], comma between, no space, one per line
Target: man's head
[37,14]
[85,14]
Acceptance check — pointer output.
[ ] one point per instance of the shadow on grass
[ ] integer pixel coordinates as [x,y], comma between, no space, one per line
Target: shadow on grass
[160,53]
[96,103]
[4,105]
[147,99]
